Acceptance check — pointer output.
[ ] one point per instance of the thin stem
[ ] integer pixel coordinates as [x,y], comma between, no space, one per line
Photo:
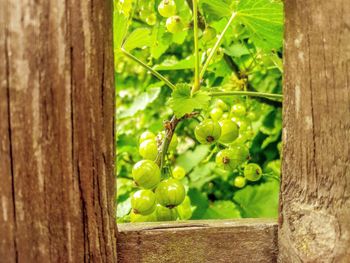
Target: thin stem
[155,73]
[196,85]
[216,46]
[170,127]
[213,151]
[247,93]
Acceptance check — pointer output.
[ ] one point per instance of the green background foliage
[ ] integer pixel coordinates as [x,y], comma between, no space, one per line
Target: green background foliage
[251,61]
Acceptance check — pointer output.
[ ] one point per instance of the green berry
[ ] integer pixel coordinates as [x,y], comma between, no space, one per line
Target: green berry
[219,54]
[174,24]
[209,34]
[184,210]
[224,159]
[238,110]
[143,202]
[239,182]
[167,8]
[147,135]
[144,13]
[151,19]
[178,172]
[170,193]
[252,172]
[251,115]
[146,174]
[136,218]
[165,214]
[216,114]
[148,149]
[208,131]
[221,104]
[231,158]
[229,131]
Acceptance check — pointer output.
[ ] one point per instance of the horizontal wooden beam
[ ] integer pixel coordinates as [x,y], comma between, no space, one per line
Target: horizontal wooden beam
[243,240]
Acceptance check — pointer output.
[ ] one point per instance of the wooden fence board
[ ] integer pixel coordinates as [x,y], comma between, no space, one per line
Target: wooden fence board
[243,240]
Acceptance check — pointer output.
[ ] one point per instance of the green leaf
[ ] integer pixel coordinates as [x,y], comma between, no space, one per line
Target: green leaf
[139,38]
[218,8]
[199,201]
[141,102]
[190,159]
[259,200]
[183,10]
[123,208]
[120,26]
[182,102]
[222,210]
[160,40]
[264,21]
[237,50]
[174,64]
[202,175]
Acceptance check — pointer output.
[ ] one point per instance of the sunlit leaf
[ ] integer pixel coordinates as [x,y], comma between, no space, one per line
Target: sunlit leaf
[139,38]
[264,21]
[182,102]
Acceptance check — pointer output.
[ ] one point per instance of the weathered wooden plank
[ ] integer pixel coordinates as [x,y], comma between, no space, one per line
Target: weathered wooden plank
[56,128]
[315,190]
[244,240]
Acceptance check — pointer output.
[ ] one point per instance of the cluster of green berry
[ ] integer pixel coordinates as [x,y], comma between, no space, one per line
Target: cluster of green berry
[230,129]
[167,9]
[160,198]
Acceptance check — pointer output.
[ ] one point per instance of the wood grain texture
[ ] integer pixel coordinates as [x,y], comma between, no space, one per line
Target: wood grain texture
[245,240]
[315,191]
[56,132]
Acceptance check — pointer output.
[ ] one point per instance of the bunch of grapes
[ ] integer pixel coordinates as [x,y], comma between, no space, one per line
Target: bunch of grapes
[230,129]
[162,195]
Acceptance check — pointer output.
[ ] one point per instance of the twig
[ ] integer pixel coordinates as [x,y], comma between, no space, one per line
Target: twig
[216,46]
[155,73]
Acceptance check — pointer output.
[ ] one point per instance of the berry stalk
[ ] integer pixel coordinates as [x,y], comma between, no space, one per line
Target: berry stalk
[155,73]
[196,85]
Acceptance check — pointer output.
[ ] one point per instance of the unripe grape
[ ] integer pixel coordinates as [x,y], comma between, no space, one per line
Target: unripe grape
[174,24]
[219,54]
[170,193]
[184,210]
[165,214]
[221,104]
[144,13]
[224,159]
[208,131]
[147,135]
[136,218]
[209,34]
[244,125]
[238,110]
[252,172]
[225,116]
[231,158]
[143,202]
[146,174]
[229,131]
[178,172]
[167,8]
[216,114]
[239,182]
[252,116]
[151,19]
[148,149]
